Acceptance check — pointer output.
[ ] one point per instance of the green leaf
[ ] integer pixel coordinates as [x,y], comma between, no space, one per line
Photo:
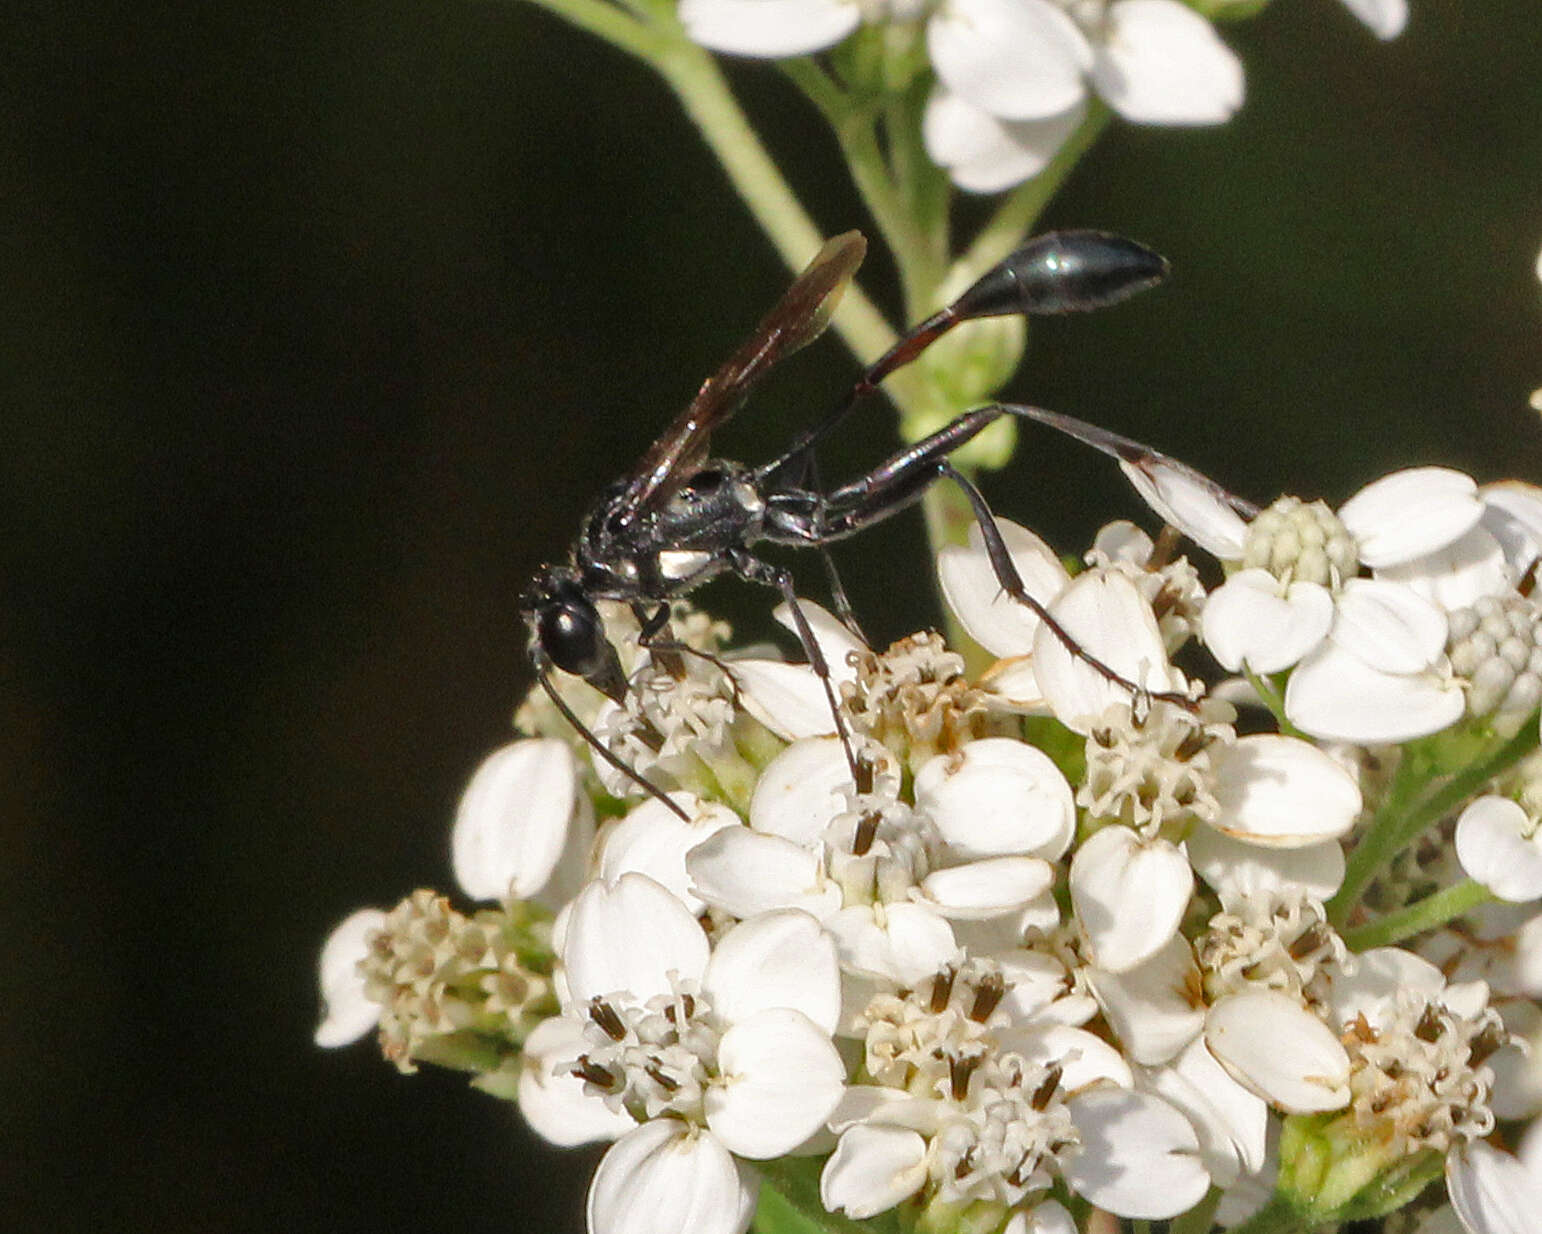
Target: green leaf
[789,1203]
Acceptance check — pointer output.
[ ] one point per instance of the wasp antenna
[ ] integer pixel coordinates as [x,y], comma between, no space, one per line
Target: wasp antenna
[599,747]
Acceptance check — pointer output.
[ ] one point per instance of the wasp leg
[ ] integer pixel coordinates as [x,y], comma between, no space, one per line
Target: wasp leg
[669,651]
[843,608]
[543,675]
[902,480]
[654,634]
[753,570]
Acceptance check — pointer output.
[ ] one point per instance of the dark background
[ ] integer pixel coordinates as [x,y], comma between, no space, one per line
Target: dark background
[322,322]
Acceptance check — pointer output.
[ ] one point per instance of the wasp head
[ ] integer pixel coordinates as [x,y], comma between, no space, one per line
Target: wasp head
[567,630]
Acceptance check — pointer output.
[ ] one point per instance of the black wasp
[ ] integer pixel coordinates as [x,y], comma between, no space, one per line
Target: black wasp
[680,518]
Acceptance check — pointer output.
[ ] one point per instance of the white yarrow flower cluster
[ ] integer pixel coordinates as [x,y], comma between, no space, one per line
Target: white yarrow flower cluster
[1064,930]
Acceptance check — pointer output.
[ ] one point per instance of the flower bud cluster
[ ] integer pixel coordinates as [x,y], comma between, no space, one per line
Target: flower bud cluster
[437,973]
[1495,644]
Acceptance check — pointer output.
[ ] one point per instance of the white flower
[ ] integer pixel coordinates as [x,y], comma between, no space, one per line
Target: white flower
[716,1052]
[1369,653]
[971,1103]
[888,880]
[1498,846]
[1014,77]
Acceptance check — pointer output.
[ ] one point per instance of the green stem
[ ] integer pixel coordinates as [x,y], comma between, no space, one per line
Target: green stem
[1018,213]
[609,23]
[699,85]
[854,126]
[1275,1217]
[1393,828]
[1434,910]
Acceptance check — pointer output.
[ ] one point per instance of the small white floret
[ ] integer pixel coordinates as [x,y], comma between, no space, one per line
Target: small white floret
[1498,845]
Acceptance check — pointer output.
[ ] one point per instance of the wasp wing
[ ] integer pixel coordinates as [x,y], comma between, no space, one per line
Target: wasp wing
[798,318]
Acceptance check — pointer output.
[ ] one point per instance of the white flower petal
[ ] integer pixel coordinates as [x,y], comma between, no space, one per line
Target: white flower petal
[1122,540]
[1275,1048]
[1458,574]
[1139,1158]
[1512,514]
[665,1177]
[836,643]
[629,936]
[769,28]
[1389,626]
[989,887]
[512,822]
[1498,846]
[1247,620]
[787,698]
[1411,513]
[1011,685]
[993,619]
[1045,1217]
[779,959]
[347,1014]
[744,873]
[1193,503]
[1492,1192]
[780,1078]
[1110,621]
[1379,977]
[897,942]
[1160,62]
[1034,981]
[1244,869]
[872,1169]
[552,1100]
[1129,895]
[653,840]
[1088,1062]
[1335,695]
[1283,793]
[1385,18]
[1151,1007]
[1017,59]
[998,796]
[984,154]
[1517,1067]
[799,792]
[1232,1122]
